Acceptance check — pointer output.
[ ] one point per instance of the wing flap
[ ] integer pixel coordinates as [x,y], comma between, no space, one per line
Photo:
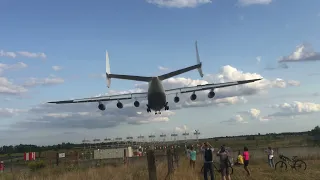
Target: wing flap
[208,86]
[103,98]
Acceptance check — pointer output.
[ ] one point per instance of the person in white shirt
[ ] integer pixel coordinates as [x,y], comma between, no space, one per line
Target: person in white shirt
[270,153]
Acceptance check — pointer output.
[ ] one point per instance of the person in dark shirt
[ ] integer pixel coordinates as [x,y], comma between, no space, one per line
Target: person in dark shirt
[207,150]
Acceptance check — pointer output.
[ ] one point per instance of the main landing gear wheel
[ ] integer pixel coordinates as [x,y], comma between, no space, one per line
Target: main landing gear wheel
[148,110]
[166,108]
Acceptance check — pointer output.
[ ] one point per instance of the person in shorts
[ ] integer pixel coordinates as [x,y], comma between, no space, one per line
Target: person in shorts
[193,157]
[224,163]
[270,153]
[246,157]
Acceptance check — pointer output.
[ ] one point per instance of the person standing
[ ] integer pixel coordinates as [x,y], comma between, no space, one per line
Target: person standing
[224,163]
[193,157]
[270,157]
[246,157]
[207,150]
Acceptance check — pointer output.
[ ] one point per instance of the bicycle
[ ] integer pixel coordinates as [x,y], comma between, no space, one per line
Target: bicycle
[218,170]
[294,163]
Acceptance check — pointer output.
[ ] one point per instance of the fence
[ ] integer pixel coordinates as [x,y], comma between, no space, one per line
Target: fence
[170,157]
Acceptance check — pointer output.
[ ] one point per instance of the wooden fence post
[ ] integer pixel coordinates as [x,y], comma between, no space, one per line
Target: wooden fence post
[152,169]
[57,158]
[170,162]
[176,157]
[125,156]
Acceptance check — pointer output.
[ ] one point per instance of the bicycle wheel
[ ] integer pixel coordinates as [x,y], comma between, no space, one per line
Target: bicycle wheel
[299,164]
[280,165]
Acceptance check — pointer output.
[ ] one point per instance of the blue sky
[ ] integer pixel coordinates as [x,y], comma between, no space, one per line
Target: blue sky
[142,35]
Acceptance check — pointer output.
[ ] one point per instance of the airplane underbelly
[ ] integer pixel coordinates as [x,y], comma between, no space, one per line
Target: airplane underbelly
[156,100]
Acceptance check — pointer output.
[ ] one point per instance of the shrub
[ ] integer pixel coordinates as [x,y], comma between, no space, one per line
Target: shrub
[35,165]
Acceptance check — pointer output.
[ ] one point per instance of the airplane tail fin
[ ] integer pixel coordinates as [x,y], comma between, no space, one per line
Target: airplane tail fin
[184,70]
[198,61]
[122,76]
[108,72]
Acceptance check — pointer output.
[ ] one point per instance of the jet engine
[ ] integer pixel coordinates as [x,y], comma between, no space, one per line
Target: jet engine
[176,99]
[119,105]
[211,94]
[102,107]
[193,97]
[136,104]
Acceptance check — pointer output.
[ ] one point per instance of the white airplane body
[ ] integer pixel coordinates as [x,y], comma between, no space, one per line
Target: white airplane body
[156,94]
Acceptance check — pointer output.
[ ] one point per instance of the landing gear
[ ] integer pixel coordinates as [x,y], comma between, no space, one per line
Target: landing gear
[148,109]
[159,112]
[166,107]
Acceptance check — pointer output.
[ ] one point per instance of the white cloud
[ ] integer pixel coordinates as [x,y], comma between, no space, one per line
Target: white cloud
[19,65]
[43,81]
[11,54]
[258,58]
[295,108]
[56,68]
[161,68]
[179,3]
[91,117]
[7,54]
[303,52]
[294,83]
[253,114]
[32,54]
[235,119]
[182,129]
[254,2]
[9,88]
[9,112]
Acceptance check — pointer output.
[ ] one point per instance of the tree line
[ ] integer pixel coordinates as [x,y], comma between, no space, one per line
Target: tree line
[21,148]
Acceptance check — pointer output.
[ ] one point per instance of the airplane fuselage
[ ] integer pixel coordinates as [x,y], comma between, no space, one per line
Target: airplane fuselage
[156,95]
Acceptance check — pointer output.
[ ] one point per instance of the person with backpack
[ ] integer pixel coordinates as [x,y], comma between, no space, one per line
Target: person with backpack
[224,163]
[207,150]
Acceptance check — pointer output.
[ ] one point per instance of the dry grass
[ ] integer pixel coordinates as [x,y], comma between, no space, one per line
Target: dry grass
[259,170]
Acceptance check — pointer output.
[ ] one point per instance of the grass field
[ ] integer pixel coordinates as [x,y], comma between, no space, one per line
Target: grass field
[259,169]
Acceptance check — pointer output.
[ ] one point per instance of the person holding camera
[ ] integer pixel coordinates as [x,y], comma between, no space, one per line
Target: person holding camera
[207,150]
[224,163]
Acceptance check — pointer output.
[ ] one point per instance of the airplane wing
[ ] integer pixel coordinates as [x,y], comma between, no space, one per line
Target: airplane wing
[208,86]
[103,98]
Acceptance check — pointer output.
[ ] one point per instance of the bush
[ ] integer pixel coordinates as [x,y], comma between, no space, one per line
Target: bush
[35,165]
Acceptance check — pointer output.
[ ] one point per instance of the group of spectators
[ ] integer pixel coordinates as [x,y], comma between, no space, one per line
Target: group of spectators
[224,159]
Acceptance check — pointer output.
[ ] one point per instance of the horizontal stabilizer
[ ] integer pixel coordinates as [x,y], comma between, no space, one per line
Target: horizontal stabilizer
[121,76]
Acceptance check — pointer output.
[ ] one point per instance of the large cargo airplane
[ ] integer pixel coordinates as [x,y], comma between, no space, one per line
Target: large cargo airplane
[156,94]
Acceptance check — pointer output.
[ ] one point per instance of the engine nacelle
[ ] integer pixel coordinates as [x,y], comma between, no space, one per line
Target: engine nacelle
[211,94]
[136,104]
[119,105]
[176,99]
[102,107]
[193,97]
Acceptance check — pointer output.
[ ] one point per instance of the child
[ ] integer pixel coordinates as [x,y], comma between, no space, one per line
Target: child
[193,156]
[246,159]
[239,159]
[270,157]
